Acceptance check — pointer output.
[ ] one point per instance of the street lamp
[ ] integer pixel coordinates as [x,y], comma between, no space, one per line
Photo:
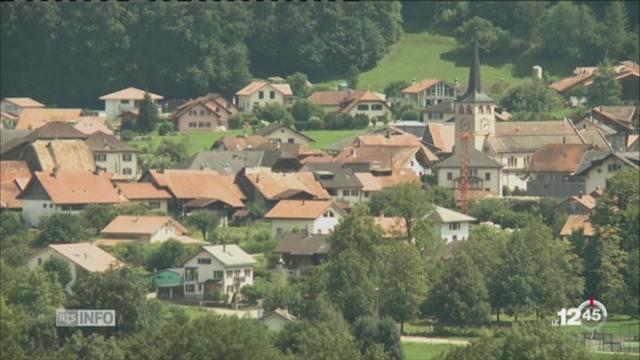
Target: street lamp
[377,306]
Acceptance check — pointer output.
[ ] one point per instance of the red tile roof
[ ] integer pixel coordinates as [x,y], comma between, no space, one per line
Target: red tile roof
[443,135]
[298,209]
[33,118]
[271,184]
[24,102]
[421,86]
[142,191]
[254,86]
[76,187]
[129,93]
[147,225]
[575,222]
[11,170]
[562,158]
[194,184]
[328,98]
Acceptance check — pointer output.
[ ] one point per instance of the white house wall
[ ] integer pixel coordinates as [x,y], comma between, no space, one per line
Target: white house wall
[598,175]
[205,272]
[460,234]
[115,164]
[49,253]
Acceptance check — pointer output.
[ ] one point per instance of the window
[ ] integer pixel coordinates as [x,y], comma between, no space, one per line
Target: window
[272,94]
[354,192]
[481,109]
[279,231]
[473,172]
[376,107]
[126,157]
[39,261]
[366,194]
[613,167]
[153,205]
[124,102]
[218,274]
[363,107]
[261,95]
[461,109]
[229,288]
[192,124]
[100,157]
[291,140]
[207,124]
[201,112]
[201,124]
[469,109]
[126,171]
[50,206]
[487,176]
[44,206]
[345,193]
[247,272]
[454,226]
[204,261]
[191,274]
[449,175]
[229,273]
[190,288]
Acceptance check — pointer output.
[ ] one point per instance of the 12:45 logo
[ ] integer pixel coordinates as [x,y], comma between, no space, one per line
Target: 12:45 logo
[590,313]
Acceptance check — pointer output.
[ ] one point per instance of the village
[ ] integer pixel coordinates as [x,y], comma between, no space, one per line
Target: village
[234,227]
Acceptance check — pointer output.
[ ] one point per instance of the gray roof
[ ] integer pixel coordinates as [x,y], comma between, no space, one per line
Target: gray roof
[474,92]
[415,128]
[302,244]
[333,175]
[101,142]
[56,130]
[224,162]
[7,135]
[444,215]
[594,157]
[275,126]
[446,106]
[477,159]
[230,255]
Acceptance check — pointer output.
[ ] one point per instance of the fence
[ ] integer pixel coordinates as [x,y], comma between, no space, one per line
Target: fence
[624,340]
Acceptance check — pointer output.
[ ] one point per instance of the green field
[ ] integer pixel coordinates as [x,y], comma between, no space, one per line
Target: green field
[421,351]
[203,141]
[424,55]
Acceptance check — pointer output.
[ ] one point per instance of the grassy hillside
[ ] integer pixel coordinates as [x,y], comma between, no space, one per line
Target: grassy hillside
[423,55]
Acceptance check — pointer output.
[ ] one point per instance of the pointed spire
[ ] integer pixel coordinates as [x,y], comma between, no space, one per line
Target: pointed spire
[474,88]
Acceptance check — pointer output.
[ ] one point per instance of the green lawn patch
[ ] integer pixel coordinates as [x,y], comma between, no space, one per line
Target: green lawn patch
[422,351]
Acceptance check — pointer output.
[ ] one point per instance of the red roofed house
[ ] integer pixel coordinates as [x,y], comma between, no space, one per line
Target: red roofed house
[145,229]
[428,92]
[311,216]
[65,191]
[577,223]
[197,189]
[11,109]
[260,93]
[14,176]
[265,187]
[123,100]
[146,194]
[353,102]
[207,113]
[581,204]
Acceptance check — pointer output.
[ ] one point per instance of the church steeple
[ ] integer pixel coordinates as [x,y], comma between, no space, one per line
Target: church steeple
[474,91]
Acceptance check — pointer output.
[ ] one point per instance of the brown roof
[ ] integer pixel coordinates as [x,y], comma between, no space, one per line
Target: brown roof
[302,244]
[528,136]
[90,124]
[10,192]
[24,102]
[87,256]
[443,135]
[631,141]
[398,177]
[392,226]
[369,182]
[328,98]
[563,158]
[33,118]
[420,86]
[400,138]
[11,170]
[129,93]
[575,222]
[213,102]
[584,75]
[256,85]
[101,142]
[66,154]
[587,201]
[357,96]
[147,225]
[570,82]
[76,187]
[272,184]
[298,209]
[142,191]
[378,157]
[193,184]
[241,142]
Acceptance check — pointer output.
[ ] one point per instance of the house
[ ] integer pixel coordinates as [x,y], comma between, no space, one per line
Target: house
[126,99]
[8,120]
[341,183]
[82,258]
[197,189]
[222,161]
[370,184]
[577,223]
[169,283]
[383,158]
[260,93]
[626,72]
[277,319]
[64,191]
[34,118]
[415,128]
[393,227]
[113,156]
[264,187]
[617,123]
[206,113]
[441,137]
[484,174]
[581,204]
[239,143]
[279,133]
[15,105]
[439,113]
[217,270]
[91,124]
[596,175]
[633,144]
[14,176]
[310,216]
[371,104]
[428,92]
[298,249]
[146,194]
[144,229]
[450,224]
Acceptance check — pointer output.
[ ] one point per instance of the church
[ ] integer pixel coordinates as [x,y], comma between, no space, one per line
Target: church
[499,153]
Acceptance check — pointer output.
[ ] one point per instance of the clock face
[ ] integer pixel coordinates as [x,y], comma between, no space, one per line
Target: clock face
[484,124]
[464,125]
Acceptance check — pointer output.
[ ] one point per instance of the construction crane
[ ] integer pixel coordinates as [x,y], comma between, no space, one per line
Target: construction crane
[464,173]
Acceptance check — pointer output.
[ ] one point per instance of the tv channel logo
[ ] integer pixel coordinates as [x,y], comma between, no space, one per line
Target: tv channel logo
[85,318]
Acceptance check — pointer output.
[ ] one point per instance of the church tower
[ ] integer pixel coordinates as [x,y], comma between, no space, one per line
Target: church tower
[475,111]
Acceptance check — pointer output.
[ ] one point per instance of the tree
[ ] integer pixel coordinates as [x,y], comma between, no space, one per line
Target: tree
[315,123]
[459,294]
[404,287]
[614,30]
[319,340]
[605,90]
[176,152]
[165,128]
[280,294]
[203,220]
[97,216]
[58,269]
[120,289]
[371,332]
[169,254]
[406,200]
[490,37]
[299,84]
[303,110]
[12,225]
[61,228]
[93,346]
[148,115]
[394,89]
[357,231]
[608,272]
[352,284]
[274,113]
[442,196]
[352,77]
[577,25]
[532,97]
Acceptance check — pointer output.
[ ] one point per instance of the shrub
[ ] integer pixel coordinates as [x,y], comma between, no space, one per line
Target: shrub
[164,128]
[127,135]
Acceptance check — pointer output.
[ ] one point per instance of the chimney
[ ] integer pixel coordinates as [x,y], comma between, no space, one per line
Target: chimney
[580,194]
[564,140]
[258,179]
[353,152]
[56,170]
[413,81]
[536,72]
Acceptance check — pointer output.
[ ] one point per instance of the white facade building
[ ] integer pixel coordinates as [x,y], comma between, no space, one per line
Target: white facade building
[312,216]
[451,225]
[124,100]
[260,93]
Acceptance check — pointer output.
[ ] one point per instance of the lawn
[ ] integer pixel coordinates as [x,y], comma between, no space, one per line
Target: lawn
[203,141]
[421,351]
